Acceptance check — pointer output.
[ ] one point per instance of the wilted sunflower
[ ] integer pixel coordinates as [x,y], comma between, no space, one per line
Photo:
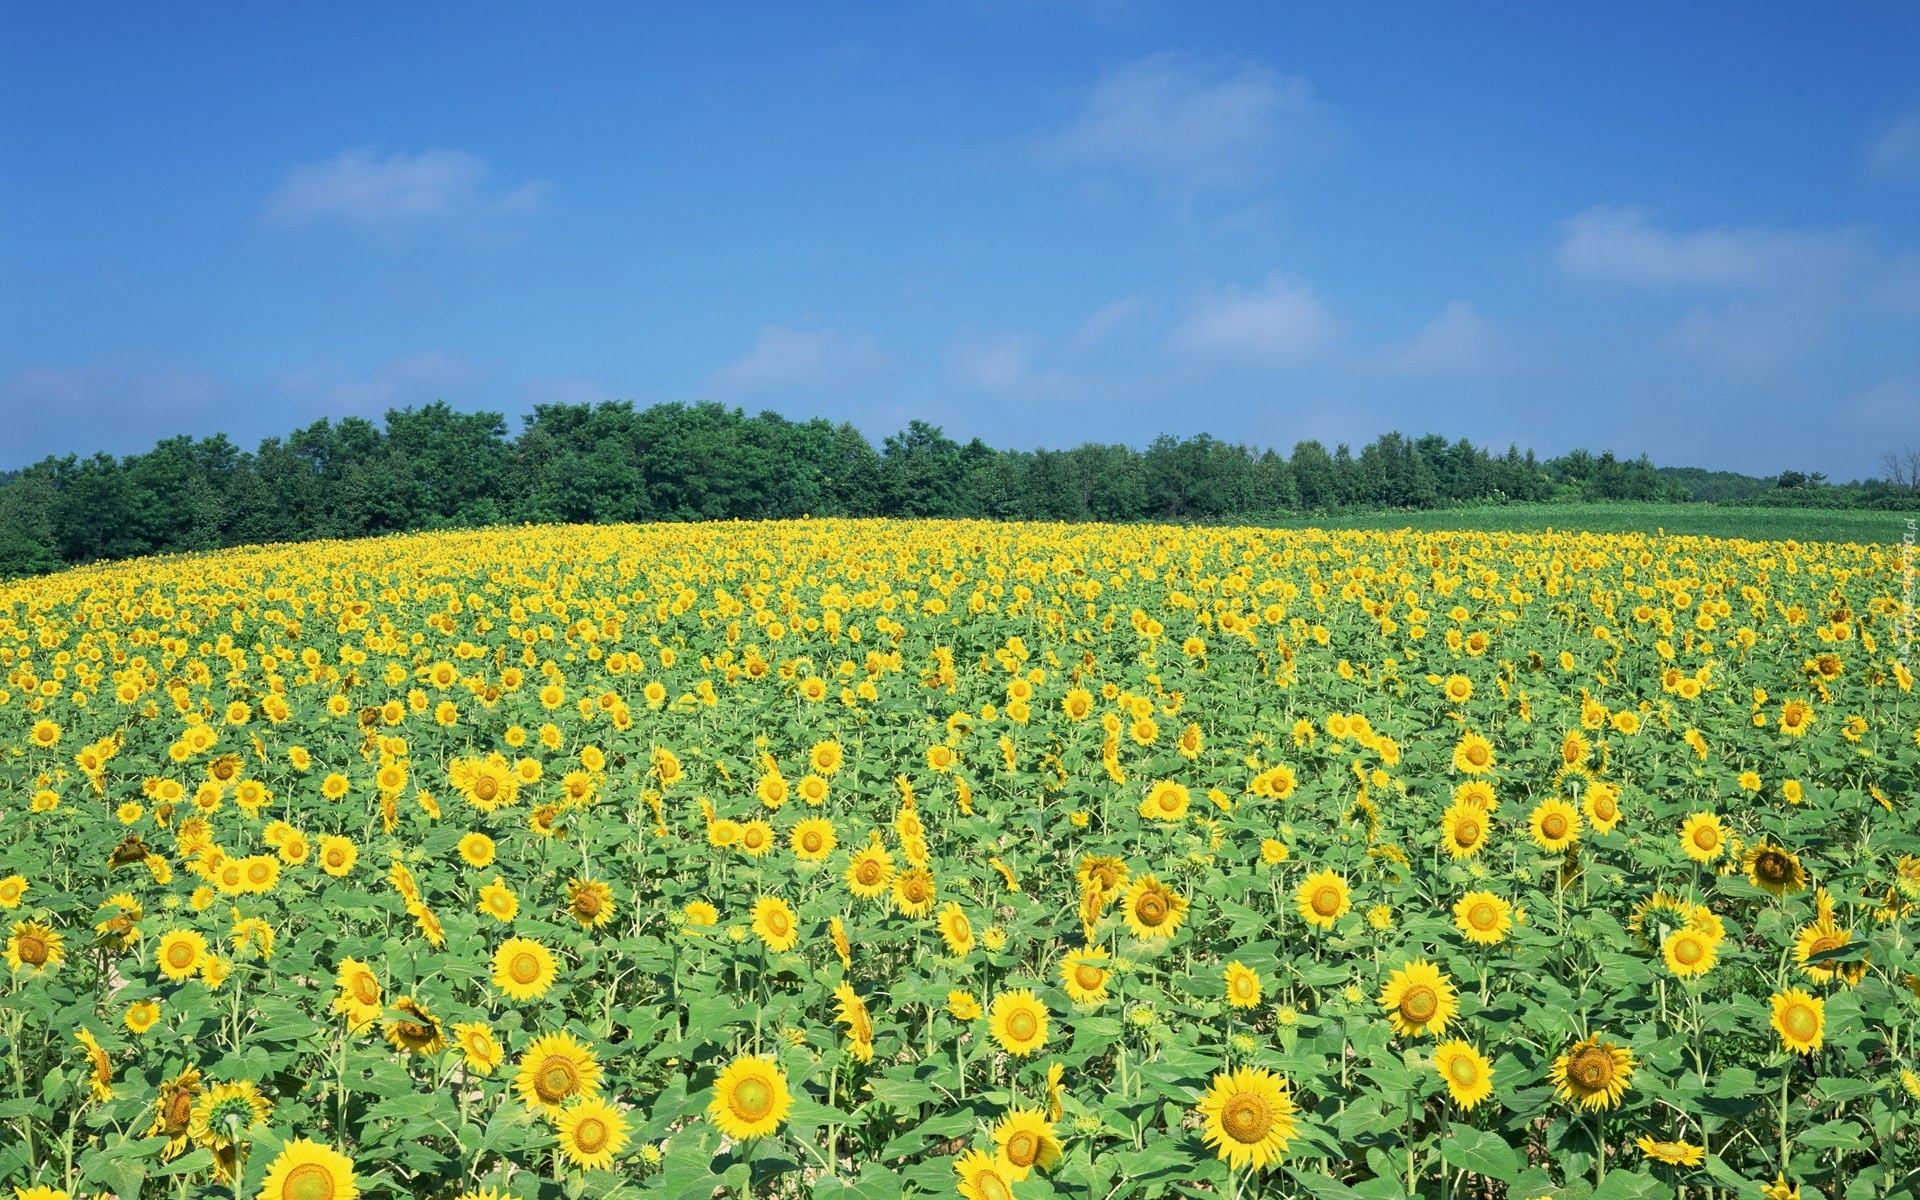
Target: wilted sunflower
[556,1068]
[750,1098]
[590,902]
[1248,1116]
[592,1132]
[1019,1022]
[523,969]
[1084,974]
[1154,910]
[414,1029]
[1771,867]
[1467,1073]
[1419,999]
[1594,1073]
[1323,898]
[35,948]
[307,1170]
[1025,1138]
[173,1111]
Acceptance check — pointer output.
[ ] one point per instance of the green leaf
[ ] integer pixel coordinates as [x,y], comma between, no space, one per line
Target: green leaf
[1481,1152]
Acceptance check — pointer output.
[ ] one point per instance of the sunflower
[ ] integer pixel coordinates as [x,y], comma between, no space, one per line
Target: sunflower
[1689,952]
[227,1112]
[1243,985]
[1554,825]
[870,872]
[1323,898]
[1468,1074]
[100,1079]
[1800,1020]
[1165,801]
[478,1047]
[955,930]
[1702,837]
[775,925]
[1108,873]
[1473,755]
[1084,974]
[1593,1073]
[750,1098]
[337,855]
[173,1111]
[1477,792]
[523,969]
[180,954]
[913,892]
[498,901]
[415,1029]
[1248,1115]
[359,999]
[1463,830]
[1823,937]
[813,839]
[985,1176]
[1025,1138]
[591,1133]
[307,1170]
[850,1010]
[1019,1022]
[1674,1154]
[13,889]
[141,1016]
[1601,804]
[36,948]
[590,902]
[477,849]
[837,934]
[1154,910]
[1773,868]
[1419,999]
[1484,917]
[553,1070]
[756,838]
[964,1006]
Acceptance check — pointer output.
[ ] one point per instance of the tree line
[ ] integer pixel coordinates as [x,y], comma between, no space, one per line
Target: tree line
[436,467]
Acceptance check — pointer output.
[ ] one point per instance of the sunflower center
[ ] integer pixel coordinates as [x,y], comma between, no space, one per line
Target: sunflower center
[868,872]
[1801,1022]
[1244,987]
[916,889]
[1688,950]
[1554,825]
[1706,837]
[180,955]
[178,1111]
[1023,1148]
[591,1135]
[1247,1118]
[308,1181]
[1088,976]
[1477,755]
[1467,832]
[1152,908]
[1593,1069]
[556,1079]
[989,1186]
[811,841]
[1482,916]
[752,1099]
[1023,1025]
[32,949]
[1772,867]
[366,989]
[485,787]
[524,968]
[777,923]
[587,904]
[1418,1004]
[1326,901]
[1465,1071]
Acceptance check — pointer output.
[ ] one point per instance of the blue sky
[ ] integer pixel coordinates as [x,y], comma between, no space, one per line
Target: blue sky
[1688,230]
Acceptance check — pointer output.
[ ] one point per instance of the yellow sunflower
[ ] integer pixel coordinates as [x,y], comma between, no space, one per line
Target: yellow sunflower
[1467,1073]
[498,901]
[1248,1116]
[477,850]
[360,999]
[813,839]
[1702,837]
[1484,917]
[1323,898]
[1674,1154]
[1601,804]
[173,1111]
[1025,1138]
[913,892]
[1554,824]
[870,872]
[1419,999]
[1019,1022]
[955,930]
[1084,974]
[984,1176]
[1771,867]
[180,954]
[414,1029]
[775,924]
[590,902]
[556,1068]
[1165,801]
[1473,755]
[1689,953]
[35,948]
[478,1047]
[592,1132]
[307,1170]
[1800,1020]
[1594,1073]
[523,969]
[1154,910]
[750,1098]
[1243,985]
[1463,830]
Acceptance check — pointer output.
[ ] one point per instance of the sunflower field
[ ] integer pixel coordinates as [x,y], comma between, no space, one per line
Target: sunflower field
[863,859]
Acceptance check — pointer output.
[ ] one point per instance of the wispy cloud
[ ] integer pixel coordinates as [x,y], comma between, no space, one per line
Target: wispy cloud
[1104,320]
[1896,151]
[1281,322]
[791,356]
[1619,245]
[332,389]
[362,189]
[1192,124]
[1457,341]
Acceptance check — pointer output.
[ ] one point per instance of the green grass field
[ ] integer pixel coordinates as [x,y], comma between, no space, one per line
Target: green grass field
[1697,520]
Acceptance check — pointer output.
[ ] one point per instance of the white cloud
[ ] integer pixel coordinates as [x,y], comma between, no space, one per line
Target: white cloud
[1192,124]
[331,389]
[1104,320]
[1617,245]
[1897,150]
[360,188]
[1458,340]
[1280,322]
[786,356]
